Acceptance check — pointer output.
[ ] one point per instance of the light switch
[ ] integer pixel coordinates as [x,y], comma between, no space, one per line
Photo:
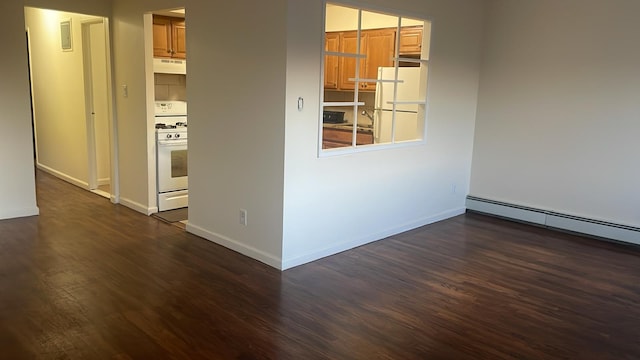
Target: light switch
[125,91]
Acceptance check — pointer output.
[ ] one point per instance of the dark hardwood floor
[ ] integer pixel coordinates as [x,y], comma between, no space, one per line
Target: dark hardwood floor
[90,280]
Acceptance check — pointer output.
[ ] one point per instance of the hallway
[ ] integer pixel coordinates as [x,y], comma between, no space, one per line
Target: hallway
[91,280]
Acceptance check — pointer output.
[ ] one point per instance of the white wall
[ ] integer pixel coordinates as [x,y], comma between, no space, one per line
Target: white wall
[558,111]
[237,135]
[95,7]
[134,112]
[335,203]
[239,130]
[345,18]
[236,86]
[17,185]
[59,95]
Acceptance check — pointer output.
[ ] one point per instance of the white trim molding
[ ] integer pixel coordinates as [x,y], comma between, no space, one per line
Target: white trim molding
[236,246]
[555,220]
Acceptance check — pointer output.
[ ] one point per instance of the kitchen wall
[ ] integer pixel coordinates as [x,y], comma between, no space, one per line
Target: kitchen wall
[59,96]
[340,18]
[170,87]
[333,203]
[557,125]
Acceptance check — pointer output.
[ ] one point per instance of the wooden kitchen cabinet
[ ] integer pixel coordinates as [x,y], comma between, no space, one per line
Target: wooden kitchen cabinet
[340,137]
[380,52]
[410,41]
[377,46]
[169,37]
[347,68]
[331,44]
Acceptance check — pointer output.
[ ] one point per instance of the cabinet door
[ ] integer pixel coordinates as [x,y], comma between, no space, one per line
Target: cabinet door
[179,32]
[379,51]
[410,41]
[161,36]
[348,44]
[331,43]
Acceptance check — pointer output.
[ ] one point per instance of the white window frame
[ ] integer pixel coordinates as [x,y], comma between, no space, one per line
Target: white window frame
[358,55]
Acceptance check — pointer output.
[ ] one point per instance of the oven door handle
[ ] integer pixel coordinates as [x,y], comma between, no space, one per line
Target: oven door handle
[172,142]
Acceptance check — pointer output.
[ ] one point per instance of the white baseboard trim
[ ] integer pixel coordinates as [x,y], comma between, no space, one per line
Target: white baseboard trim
[63,176]
[315,255]
[556,220]
[235,246]
[137,206]
[348,245]
[104,194]
[18,213]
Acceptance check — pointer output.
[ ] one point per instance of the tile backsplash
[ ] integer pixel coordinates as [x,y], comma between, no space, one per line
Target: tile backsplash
[170,87]
[339,96]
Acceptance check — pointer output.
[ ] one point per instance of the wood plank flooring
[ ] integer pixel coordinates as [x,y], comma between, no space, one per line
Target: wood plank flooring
[91,280]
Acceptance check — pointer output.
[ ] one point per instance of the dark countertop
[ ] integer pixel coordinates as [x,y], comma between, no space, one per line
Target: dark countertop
[348,126]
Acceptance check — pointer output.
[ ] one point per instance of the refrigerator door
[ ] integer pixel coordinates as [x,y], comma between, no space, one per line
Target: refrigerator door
[406,115]
[406,127]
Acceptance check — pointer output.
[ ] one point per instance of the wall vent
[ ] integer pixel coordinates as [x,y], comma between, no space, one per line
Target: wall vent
[555,220]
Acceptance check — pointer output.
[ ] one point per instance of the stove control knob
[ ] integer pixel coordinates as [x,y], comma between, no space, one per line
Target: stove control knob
[169,136]
[177,136]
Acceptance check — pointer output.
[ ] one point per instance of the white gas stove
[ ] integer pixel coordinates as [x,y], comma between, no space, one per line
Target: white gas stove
[171,154]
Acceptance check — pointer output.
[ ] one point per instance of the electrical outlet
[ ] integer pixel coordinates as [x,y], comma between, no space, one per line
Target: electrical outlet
[243,217]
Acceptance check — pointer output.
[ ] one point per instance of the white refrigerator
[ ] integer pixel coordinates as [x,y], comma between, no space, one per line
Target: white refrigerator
[407,126]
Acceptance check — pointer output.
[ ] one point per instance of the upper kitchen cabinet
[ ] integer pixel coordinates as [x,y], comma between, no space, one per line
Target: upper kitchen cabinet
[169,37]
[331,45]
[347,65]
[352,58]
[376,49]
[379,52]
[410,41]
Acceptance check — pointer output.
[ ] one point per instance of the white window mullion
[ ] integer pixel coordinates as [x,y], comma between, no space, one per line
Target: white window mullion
[356,92]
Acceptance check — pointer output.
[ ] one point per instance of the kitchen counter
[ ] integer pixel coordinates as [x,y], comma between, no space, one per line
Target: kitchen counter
[341,135]
[348,126]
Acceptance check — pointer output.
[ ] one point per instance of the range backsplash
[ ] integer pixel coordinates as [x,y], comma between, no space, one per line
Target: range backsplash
[170,87]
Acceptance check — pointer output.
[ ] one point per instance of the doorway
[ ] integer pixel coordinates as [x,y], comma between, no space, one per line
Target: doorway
[97,106]
[74,130]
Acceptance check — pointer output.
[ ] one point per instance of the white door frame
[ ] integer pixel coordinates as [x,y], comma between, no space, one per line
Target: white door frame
[33,105]
[91,139]
[89,102]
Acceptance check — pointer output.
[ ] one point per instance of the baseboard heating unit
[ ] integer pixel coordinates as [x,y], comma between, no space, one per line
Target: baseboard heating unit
[555,220]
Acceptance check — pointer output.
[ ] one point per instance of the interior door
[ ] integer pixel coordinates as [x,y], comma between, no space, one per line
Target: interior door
[94,41]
